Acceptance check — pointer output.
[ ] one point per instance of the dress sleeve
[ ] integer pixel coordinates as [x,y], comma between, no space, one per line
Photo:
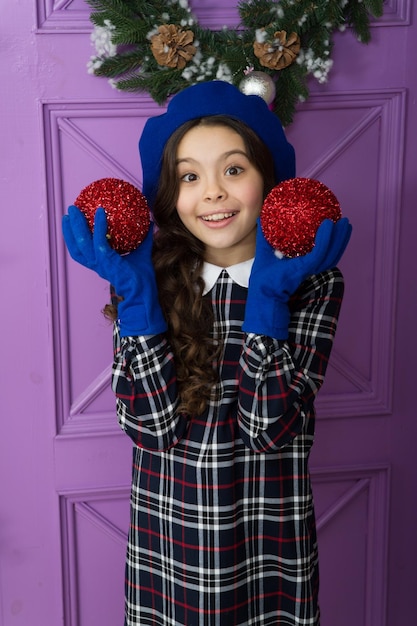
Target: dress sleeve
[144,382]
[278,380]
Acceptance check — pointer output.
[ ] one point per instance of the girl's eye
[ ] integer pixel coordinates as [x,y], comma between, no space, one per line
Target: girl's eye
[234,170]
[188,178]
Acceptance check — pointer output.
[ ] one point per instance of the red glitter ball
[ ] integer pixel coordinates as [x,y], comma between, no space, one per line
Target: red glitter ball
[127,211]
[292,213]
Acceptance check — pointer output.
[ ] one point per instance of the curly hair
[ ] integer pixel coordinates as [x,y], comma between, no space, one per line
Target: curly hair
[178,259]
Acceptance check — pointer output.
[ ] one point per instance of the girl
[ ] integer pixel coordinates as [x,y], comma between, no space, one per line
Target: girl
[220,350]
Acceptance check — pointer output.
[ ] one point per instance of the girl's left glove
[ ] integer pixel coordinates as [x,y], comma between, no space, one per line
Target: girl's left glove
[132,275]
[273,280]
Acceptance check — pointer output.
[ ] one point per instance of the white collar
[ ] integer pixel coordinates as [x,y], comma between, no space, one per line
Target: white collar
[239,273]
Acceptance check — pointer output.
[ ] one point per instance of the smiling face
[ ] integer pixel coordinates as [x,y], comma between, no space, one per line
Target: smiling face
[220,193]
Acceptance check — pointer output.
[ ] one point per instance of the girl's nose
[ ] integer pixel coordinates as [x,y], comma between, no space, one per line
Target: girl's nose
[214,191]
[214,197]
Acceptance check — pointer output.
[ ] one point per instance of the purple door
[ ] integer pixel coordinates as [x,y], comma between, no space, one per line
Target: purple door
[64,465]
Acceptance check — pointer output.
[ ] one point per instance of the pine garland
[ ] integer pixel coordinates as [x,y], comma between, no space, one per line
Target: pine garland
[160,48]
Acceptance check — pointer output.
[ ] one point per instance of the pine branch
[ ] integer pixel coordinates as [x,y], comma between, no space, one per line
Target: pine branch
[111,67]
[154,85]
[375,7]
[358,20]
[255,13]
[291,88]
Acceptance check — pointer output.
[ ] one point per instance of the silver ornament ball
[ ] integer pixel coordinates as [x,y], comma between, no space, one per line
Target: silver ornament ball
[258,84]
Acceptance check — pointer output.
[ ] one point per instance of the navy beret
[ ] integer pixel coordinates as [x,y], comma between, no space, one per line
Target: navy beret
[208,99]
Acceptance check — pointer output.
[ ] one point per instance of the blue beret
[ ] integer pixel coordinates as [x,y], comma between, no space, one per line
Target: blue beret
[207,99]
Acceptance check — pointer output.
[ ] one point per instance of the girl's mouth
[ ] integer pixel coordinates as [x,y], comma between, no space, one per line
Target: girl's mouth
[217,217]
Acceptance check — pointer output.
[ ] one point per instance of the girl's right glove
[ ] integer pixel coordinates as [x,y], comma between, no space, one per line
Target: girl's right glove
[132,275]
[273,280]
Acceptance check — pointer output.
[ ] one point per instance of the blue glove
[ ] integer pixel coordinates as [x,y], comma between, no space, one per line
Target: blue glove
[132,275]
[273,281]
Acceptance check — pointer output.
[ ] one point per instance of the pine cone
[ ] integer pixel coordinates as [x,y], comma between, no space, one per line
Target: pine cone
[173,46]
[279,53]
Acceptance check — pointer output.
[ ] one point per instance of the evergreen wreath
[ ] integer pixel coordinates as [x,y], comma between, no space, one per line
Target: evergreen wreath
[160,48]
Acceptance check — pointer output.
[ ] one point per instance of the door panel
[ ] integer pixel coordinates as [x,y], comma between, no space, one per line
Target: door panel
[362,161]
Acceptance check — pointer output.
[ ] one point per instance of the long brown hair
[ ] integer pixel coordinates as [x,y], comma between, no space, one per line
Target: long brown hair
[178,259]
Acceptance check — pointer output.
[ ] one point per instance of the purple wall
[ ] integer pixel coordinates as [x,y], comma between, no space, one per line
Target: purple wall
[64,465]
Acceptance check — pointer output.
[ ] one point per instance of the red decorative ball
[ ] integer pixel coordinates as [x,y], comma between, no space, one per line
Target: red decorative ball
[292,213]
[127,211]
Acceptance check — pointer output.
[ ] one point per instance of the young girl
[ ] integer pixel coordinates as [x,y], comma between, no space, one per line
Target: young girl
[220,350]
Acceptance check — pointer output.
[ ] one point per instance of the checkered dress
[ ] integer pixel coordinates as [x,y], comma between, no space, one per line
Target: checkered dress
[222,529]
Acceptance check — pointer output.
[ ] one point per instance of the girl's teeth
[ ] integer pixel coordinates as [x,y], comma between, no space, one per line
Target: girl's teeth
[217,217]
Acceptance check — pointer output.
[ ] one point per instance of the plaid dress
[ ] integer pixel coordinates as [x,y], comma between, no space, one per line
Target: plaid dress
[222,529]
